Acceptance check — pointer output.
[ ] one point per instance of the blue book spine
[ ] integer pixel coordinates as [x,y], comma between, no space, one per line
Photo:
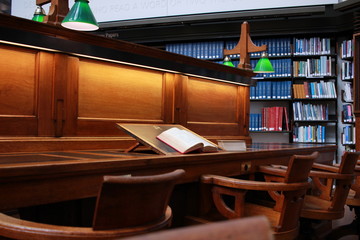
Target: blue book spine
[259,122]
[257,91]
[251,122]
[268,89]
[264,91]
[220,50]
[206,50]
[252,92]
[289,89]
[278,47]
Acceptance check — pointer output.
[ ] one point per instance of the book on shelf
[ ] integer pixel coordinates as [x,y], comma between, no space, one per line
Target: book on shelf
[347,70]
[347,96]
[312,46]
[310,112]
[270,119]
[348,115]
[313,67]
[309,134]
[348,135]
[347,48]
[271,90]
[185,141]
[319,89]
[202,50]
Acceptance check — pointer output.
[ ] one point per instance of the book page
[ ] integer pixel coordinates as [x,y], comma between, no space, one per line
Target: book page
[207,146]
[181,140]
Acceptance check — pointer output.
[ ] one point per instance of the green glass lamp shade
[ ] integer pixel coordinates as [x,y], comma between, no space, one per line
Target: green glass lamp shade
[227,62]
[264,65]
[39,14]
[80,17]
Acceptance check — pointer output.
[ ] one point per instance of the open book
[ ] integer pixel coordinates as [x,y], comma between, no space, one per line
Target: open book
[185,141]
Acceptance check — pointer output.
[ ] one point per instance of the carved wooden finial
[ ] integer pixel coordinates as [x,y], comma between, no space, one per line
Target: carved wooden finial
[57,11]
[244,47]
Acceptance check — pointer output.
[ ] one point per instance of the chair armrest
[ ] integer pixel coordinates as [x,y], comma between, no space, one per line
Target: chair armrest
[252,185]
[322,174]
[278,170]
[13,227]
[324,167]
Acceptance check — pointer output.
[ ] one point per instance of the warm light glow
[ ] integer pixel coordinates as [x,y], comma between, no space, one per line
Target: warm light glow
[122,62]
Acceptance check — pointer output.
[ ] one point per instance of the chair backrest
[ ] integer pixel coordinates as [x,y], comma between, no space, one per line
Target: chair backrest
[125,201]
[250,228]
[348,162]
[342,186]
[356,185]
[331,185]
[299,167]
[289,203]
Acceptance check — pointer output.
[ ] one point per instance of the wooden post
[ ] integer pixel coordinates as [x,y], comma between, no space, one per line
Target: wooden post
[57,11]
[244,47]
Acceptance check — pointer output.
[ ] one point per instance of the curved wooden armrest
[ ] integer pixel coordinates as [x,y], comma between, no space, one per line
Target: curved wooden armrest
[15,228]
[322,174]
[11,224]
[253,185]
[329,168]
[273,170]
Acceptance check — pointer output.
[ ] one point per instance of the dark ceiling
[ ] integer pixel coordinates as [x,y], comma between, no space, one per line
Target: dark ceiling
[286,21]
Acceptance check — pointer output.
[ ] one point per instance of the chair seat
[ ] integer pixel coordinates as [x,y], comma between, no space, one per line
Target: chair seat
[317,208]
[352,200]
[274,219]
[315,203]
[255,210]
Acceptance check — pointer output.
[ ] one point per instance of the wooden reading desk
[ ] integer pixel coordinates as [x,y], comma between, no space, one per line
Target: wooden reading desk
[29,179]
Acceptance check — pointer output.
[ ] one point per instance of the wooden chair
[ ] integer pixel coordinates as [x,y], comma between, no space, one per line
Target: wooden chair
[125,206]
[330,188]
[251,228]
[353,201]
[286,193]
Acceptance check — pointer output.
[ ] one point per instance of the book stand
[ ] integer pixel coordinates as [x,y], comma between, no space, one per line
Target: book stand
[133,147]
[145,134]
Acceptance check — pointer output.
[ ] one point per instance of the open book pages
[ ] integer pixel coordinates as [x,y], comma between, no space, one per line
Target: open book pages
[185,141]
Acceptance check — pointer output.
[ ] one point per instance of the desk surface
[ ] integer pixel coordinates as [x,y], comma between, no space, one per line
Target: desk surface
[36,178]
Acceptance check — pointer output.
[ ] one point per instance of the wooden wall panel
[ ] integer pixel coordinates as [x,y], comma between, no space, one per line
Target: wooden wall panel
[18,91]
[214,108]
[51,94]
[211,102]
[110,93]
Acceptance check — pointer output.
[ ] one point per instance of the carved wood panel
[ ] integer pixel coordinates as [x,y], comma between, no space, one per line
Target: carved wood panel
[18,92]
[51,94]
[214,108]
[110,93]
